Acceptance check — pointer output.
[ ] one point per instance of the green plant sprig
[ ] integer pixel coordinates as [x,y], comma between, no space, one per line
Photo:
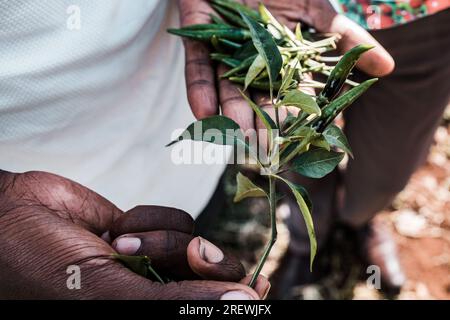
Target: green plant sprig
[264,54]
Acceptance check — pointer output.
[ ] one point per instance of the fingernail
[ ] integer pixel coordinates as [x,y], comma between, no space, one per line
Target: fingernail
[236,295]
[127,245]
[209,252]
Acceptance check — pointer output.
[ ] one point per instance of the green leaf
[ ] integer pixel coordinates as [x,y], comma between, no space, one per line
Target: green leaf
[242,66]
[266,47]
[335,137]
[219,127]
[255,69]
[218,130]
[246,51]
[341,72]
[305,132]
[137,264]
[247,189]
[268,18]
[230,16]
[298,32]
[316,163]
[290,70]
[301,100]
[290,119]
[230,44]
[305,196]
[321,142]
[230,33]
[225,59]
[237,7]
[338,105]
[262,115]
[298,192]
[216,19]
[216,45]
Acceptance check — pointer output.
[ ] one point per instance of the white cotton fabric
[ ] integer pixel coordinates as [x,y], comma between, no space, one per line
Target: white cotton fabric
[98,104]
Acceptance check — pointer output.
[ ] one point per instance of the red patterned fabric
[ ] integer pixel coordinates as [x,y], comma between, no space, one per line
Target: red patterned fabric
[380,14]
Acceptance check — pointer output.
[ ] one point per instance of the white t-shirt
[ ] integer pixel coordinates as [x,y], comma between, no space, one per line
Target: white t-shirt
[92,90]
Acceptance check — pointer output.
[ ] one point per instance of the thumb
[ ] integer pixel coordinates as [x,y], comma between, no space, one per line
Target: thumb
[209,262]
[376,62]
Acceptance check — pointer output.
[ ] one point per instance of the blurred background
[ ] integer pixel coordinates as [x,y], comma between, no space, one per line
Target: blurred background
[419,218]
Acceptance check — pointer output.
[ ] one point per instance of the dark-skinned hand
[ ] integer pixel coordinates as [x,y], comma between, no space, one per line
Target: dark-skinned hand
[48,223]
[206,92]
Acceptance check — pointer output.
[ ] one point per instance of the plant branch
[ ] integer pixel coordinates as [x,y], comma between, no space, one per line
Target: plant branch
[273,236]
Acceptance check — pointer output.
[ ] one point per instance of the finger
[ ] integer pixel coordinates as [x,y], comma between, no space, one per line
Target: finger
[199,71]
[167,251]
[262,286]
[179,256]
[207,290]
[113,281]
[152,218]
[209,262]
[233,104]
[376,62]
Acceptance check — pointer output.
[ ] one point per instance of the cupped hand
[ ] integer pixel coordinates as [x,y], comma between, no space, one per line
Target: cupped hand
[49,223]
[205,93]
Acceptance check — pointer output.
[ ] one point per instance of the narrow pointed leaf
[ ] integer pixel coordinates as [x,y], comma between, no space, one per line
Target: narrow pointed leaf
[255,69]
[316,163]
[241,67]
[215,129]
[229,15]
[246,51]
[290,70]
[306,213]
[216,19]
[341,72]
[335,137]
[266,47]
[298,32]
[321,142]
[262,115]
[205,35]
[216,45]
[205,27]
[218,130]
[230,44]
[338,105]
[247,189]
[260,85]
[237,7]
[268,18]
[305,196]
[301,100]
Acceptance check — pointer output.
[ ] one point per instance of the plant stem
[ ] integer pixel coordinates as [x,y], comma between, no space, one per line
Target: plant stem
[155,274]
[273,236]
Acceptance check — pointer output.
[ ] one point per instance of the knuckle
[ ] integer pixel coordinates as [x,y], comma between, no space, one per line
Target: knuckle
[231,99]
[200,83]
[198,62]
[191,16]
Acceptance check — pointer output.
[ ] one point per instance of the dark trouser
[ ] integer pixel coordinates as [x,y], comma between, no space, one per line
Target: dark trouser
[390,129]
